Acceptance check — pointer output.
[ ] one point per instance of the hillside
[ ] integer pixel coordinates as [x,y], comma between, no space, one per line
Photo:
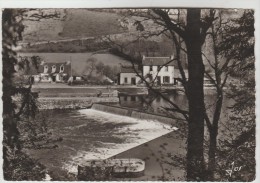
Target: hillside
[77,23]
[83,31]
[85,23]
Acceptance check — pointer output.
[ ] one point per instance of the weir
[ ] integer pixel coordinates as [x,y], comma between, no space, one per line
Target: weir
[134,113]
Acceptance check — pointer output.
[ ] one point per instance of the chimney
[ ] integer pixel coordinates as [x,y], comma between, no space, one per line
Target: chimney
[143,57]
[171,57]
[68,62]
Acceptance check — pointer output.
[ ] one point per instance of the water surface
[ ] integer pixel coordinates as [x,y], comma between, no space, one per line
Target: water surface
[90,134]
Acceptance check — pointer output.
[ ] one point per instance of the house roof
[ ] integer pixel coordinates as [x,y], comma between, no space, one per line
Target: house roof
[55,63]
[158,61]
[58,65]
[129,69]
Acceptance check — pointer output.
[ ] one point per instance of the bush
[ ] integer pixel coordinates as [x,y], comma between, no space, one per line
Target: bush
[22,168]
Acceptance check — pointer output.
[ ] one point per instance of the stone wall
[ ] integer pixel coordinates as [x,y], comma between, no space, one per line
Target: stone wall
[136,114]
[73,103]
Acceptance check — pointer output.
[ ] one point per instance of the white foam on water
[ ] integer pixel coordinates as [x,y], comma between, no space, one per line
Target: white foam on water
[136,133]
[73,127]
[47,177]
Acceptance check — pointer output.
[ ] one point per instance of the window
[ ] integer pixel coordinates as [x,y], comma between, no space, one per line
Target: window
[166,79]
[125,80]
[53,68]
[133,81]
[151,68]
[132,98]
[45,69]
[62,68]
[166,68]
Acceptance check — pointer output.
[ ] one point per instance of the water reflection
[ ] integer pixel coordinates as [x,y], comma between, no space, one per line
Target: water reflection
[155,103]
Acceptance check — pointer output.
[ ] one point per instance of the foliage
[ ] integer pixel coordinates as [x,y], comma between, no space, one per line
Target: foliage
[16,110]
[91,65]
[28,65]
[22,168]
[227,53]
[35,133]
[238,41]
[96,71]
[238,45]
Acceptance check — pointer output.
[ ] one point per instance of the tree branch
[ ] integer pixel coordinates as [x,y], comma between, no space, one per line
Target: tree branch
[169,23]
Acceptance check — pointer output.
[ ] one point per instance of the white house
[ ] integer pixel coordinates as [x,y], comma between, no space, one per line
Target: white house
[159,69]
[54,72]
[128,76]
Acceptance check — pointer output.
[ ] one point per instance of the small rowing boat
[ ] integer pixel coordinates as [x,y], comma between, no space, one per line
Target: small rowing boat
[105,169]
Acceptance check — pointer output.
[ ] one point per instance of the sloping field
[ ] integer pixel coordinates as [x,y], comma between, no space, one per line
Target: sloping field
[79,59]
[78,23]
[85,23]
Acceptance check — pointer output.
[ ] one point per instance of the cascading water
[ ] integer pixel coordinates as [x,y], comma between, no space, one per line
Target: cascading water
[92,134]
[133,132]
[112,109]
[134,113]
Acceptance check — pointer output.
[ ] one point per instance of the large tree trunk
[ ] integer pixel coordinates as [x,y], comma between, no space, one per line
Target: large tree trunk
[196,69]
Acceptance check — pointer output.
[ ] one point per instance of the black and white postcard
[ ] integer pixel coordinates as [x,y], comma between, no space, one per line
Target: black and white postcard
[129,93]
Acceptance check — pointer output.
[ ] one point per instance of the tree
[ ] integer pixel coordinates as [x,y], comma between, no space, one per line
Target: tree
[193,34]
[196,28]
[13,111]
[100,67]
[218,73]
[211,23]
[241,146]
[110,72]
[91,65]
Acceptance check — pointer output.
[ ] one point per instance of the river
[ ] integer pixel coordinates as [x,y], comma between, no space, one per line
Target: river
[154,103]
[90,134]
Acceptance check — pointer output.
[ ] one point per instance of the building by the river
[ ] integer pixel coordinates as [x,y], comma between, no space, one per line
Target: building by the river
[55,72]
[128,75]
[158,70]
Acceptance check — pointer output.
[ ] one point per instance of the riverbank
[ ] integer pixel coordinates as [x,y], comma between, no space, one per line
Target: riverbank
[64,90]
[73,102]
[63,96]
